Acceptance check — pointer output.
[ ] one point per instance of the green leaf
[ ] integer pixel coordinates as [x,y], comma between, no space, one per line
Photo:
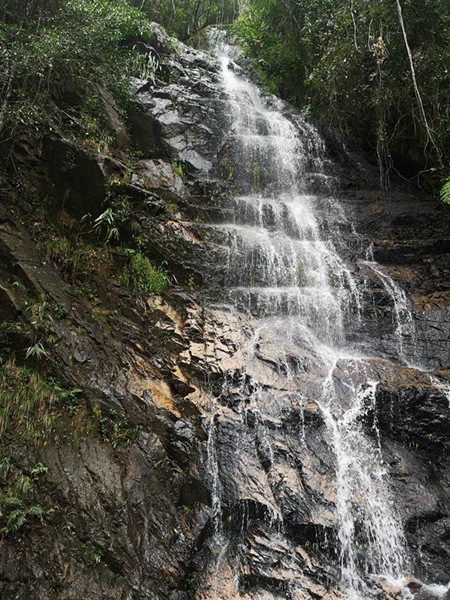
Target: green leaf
[445,192]
[16,519]
[36,511]
[39,469]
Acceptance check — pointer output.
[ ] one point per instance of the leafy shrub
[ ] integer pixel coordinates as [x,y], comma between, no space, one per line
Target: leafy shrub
[349,63]
[54,53]
[16,491]
[79,261]
[142,277]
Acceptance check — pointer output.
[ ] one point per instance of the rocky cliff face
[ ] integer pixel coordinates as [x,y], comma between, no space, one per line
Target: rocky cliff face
[170,453]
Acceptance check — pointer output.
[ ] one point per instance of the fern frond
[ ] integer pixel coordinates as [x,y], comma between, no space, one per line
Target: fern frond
[36,511]
[11,501]
[445,192]
[16,519]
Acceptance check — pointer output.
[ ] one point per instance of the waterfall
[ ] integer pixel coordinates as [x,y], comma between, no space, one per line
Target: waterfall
[279,262]
[284,271]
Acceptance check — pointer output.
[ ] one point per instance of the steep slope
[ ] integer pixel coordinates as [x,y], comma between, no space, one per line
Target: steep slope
[175,445]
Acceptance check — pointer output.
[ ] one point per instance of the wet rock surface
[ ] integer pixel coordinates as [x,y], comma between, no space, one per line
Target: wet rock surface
[199,470]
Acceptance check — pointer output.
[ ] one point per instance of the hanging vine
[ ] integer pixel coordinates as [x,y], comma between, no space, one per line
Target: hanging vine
[384,159]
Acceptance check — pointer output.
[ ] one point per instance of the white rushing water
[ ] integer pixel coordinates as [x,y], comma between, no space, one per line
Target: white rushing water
[283,268]
[402,316]
[279,263]
[365,514]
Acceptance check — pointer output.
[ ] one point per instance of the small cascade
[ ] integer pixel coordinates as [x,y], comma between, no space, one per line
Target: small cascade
[213,471]
[402,317]
[220,539]
[443,387]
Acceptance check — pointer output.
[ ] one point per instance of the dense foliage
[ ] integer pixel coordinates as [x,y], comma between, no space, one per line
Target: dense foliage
[54,54]
[188,19]
[378,69]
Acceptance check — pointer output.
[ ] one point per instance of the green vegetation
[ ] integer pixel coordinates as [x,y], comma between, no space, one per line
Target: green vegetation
[445,192]
[55,54]
[14,513]
[99,249]
[27,403]
[116,219]
[188,19]
[142,277]
[91,555]
[16,496]
[41,321]
[31,405]
[379,71]
[80,262]
[114,429]
[106,224]
[177,168]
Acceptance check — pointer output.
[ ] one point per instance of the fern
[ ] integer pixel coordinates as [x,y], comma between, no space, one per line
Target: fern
[36,511]
[39,469]
[445,192]
[11,501]
[22,485]
[5,466]
[16,519]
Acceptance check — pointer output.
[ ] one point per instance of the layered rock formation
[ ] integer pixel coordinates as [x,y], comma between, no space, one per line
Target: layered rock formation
[190,456]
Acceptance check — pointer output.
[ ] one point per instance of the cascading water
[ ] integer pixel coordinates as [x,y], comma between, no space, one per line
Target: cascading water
[284,270]
[365,514]
[401,313]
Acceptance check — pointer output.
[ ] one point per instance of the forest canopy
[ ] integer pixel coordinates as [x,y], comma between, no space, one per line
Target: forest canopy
[378,70]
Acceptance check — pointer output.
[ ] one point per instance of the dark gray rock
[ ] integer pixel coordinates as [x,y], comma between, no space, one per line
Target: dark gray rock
[79,176]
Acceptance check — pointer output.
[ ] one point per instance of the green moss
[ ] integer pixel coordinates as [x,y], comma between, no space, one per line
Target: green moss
[177,168]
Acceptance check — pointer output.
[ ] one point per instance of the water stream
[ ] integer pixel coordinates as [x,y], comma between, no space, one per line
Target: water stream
[283,269]
[402,316]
